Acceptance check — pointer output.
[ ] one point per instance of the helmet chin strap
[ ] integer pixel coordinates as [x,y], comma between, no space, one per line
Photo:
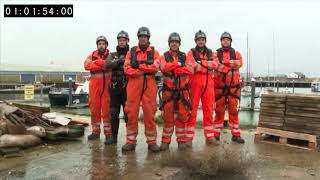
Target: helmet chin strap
[226,48]
[200,48]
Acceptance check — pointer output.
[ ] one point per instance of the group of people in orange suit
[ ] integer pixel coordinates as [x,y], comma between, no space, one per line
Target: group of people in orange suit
[127,78]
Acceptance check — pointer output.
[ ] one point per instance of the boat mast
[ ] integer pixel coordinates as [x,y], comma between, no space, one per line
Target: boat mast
[274,61]
[248,80]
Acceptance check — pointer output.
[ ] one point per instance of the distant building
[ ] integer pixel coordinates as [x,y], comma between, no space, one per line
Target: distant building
[296,75]
[281,76]
[40,76]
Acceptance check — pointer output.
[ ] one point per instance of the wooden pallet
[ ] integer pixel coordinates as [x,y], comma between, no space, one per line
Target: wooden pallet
[283,137]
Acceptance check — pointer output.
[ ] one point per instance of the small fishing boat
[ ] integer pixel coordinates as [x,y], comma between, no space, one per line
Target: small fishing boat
[315,86]
[60,96]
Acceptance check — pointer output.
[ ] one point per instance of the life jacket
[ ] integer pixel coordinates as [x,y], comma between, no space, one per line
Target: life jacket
[93,58]
[149,59]
[220,54]
[169,58]
[196,56]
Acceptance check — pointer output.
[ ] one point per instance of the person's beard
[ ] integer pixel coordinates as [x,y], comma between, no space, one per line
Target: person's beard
[122,51]
[144,47]
[101,51]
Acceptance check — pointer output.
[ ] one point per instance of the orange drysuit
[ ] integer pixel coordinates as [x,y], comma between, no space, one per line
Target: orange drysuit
[175,100]
[227,89]
[202,87]
[141,87]
[99,98]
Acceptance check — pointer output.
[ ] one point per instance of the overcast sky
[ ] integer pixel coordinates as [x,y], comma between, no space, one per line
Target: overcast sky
[67,41]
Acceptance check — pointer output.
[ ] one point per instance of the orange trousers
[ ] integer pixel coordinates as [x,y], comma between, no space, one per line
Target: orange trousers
[140,90]
[99,101]
[232,110]
[175,119]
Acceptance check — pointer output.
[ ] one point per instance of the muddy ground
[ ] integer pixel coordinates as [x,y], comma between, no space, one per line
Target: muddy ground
[93,160]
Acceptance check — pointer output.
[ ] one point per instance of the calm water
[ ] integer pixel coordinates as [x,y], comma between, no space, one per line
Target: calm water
[247,118]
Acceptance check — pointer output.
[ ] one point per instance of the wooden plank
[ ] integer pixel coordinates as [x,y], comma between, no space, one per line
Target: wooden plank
[304,98]
[299,104]
[264,113]
[298,125]
[276,118]
[273,102]
[314,113]
[303,108]
[302,119]
[311,132]
[277,124]
[270,126]
[272,110]
[264,104]
[33,108]
[287,134]
[266,120]
[302,114]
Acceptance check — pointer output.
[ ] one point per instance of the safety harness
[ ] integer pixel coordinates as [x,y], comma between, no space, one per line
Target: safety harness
[177,93]
[148,61]
[196,56]
[226,89]
[103,72]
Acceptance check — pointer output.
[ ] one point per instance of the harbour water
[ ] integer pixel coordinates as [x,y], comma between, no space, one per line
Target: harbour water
[247,118]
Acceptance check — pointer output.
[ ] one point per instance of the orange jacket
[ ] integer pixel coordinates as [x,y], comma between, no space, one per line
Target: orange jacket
[204,65]
[233,75]
[143,68]
[172,70]
[94,63]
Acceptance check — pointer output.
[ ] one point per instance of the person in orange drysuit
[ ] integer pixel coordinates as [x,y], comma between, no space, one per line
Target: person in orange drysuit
[227,89]
[175,101]
[202,86]
[99,98]
[141,65]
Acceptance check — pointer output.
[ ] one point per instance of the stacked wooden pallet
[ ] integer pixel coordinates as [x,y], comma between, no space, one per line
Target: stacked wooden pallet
[303,114]
[290,116]
[272,111]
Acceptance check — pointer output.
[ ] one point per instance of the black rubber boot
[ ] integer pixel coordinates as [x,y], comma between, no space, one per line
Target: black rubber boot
[182,146]
[129,147]
[237,139]
[110,140]
[217,138]
[188,144]
[153,148]
[93,136]
[164,146]
[213,141]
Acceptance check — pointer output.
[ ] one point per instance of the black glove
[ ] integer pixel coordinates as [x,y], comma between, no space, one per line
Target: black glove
[135,65]
[182,59]
[149,61]
[120,61]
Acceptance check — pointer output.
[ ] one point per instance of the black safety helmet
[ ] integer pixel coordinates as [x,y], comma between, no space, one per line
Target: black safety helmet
[200,34]
[123,34]
[143,31]
[101,38]
[174,37]
[226,35]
